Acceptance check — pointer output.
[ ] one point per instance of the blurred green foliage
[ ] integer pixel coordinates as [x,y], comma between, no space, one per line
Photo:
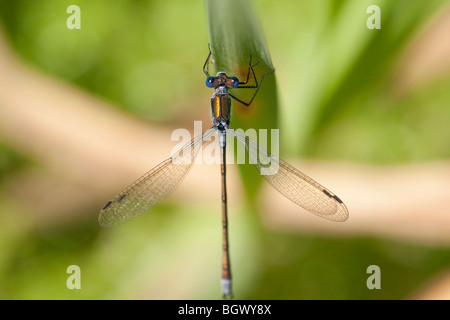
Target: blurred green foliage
[334,78]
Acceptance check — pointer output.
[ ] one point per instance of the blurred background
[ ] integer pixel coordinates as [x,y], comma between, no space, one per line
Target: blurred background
[85,112]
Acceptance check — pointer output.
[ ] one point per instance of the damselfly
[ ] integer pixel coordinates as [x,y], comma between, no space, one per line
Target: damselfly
[159,182]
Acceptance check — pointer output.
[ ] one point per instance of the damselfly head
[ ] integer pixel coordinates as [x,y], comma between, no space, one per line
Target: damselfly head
[222,80]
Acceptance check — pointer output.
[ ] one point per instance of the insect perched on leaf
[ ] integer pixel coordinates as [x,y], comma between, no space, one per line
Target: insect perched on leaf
[159,182]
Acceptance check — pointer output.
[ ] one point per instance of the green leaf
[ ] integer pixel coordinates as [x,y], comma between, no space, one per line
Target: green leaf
[236,40]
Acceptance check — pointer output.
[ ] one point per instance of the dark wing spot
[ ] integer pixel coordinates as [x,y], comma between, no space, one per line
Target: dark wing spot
[337,199]
[327,193]
[121,197]
[107,205]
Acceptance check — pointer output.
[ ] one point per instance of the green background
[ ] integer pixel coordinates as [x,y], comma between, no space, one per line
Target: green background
[334,78]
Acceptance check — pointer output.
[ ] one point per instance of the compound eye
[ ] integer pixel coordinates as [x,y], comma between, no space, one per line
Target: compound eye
[210,81]
[235,81]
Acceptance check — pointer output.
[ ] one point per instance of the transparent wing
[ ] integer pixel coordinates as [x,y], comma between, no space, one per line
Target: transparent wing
[293,184]
[153,186]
